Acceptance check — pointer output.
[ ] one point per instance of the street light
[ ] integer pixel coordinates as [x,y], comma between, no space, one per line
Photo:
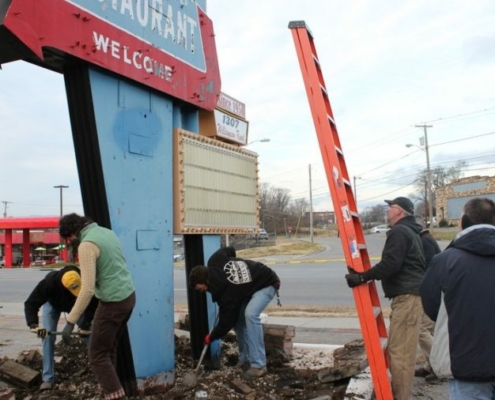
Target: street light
[264,140]
[428,176]
[61,187]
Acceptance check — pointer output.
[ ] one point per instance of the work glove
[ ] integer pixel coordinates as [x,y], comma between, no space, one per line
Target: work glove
[207,340]
[355,278]
[40,332]
[67,332]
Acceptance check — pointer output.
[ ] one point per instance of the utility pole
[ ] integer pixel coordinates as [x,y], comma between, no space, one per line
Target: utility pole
[355,191]
[5,203]
[310,207]
[428,173]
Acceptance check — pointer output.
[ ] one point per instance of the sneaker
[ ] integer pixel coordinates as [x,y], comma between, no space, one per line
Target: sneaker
[255,372]
[243,366]
[46,386]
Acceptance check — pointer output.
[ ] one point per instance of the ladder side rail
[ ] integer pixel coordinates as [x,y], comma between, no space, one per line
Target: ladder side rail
[341,194]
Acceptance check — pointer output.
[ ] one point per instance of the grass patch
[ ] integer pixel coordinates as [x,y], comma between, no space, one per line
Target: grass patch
[286,247]
[444,235]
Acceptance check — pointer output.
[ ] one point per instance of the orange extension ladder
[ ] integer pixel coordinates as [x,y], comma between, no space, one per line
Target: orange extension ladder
[351,232]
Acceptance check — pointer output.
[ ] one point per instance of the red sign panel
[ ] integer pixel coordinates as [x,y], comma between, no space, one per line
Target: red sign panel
[80,31]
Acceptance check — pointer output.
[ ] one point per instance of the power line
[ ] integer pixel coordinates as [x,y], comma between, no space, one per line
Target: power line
[460,140]
[460,115]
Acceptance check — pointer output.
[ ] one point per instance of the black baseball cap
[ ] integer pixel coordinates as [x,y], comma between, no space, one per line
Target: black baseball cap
[403,202]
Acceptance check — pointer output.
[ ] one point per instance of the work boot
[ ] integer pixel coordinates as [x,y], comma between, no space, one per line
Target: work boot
[422,372]
[243,366]
[255,372]
[46,386]
[431,378]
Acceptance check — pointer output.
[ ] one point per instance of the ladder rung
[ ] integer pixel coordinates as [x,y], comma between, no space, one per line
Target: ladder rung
[339,151]
[316,61]
[331,119]
[377,311]
[384,342]
[355,214]
[346,182]
[361,246]
[324,90]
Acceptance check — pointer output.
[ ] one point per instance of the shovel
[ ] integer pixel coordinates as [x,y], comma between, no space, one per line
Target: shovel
[192,377]
[53,333]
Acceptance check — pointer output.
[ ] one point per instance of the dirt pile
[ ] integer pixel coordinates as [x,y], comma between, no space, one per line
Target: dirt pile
[287,379]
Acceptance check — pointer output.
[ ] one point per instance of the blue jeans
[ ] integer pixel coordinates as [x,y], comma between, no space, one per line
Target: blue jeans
[50,317]
[463,390]
[249,330]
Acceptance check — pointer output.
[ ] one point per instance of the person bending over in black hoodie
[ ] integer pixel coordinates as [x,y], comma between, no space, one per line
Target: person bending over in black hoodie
[242,289]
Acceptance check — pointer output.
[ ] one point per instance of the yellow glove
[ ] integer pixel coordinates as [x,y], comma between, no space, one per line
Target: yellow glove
[40,332]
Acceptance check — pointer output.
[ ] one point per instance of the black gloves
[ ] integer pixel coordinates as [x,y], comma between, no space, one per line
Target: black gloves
[355,278]
[67,332]
[40,332]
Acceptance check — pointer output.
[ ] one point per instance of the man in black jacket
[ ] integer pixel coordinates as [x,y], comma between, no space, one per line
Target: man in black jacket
[458,294]
[401,271]
[242,289]
[430,249]
[56,293]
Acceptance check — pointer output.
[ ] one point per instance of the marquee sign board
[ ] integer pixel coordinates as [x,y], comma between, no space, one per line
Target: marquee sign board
[168,45]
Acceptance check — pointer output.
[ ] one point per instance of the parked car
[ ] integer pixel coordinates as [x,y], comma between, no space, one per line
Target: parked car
[380,228]
[262,234]
[177,240]
[178,257]
[428,223]
[41,261]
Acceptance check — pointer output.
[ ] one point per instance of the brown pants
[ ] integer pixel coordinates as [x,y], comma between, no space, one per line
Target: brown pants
[108,325]
[426,337]
[405,322]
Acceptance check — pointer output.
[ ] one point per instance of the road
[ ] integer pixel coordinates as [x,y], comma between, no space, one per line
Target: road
[316,279]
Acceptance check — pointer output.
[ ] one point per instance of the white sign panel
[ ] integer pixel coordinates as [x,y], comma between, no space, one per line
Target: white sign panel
[232,105]
[230,127]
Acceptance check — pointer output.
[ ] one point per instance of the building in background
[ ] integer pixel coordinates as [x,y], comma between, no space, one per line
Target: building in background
[451,199]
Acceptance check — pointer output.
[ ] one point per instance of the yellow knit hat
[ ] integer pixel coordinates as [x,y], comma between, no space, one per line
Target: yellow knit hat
[72,282]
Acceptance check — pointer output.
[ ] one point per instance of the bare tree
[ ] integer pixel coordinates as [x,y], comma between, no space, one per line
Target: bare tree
[440,176]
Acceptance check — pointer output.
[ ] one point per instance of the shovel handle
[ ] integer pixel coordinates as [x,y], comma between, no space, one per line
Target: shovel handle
[206,346]
[201,357]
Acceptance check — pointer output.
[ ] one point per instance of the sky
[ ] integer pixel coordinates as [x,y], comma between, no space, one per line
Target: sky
[388,66]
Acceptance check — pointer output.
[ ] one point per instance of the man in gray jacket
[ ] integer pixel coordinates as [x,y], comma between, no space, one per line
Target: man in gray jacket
[401,271]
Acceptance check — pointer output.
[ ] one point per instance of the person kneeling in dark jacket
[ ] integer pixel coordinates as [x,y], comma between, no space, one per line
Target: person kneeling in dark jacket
[56,293]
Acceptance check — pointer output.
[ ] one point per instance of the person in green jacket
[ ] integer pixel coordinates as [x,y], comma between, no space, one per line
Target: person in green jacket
[105,274]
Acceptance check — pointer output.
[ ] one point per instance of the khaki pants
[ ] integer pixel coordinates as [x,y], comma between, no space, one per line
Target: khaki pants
[405,322]
[426,337]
